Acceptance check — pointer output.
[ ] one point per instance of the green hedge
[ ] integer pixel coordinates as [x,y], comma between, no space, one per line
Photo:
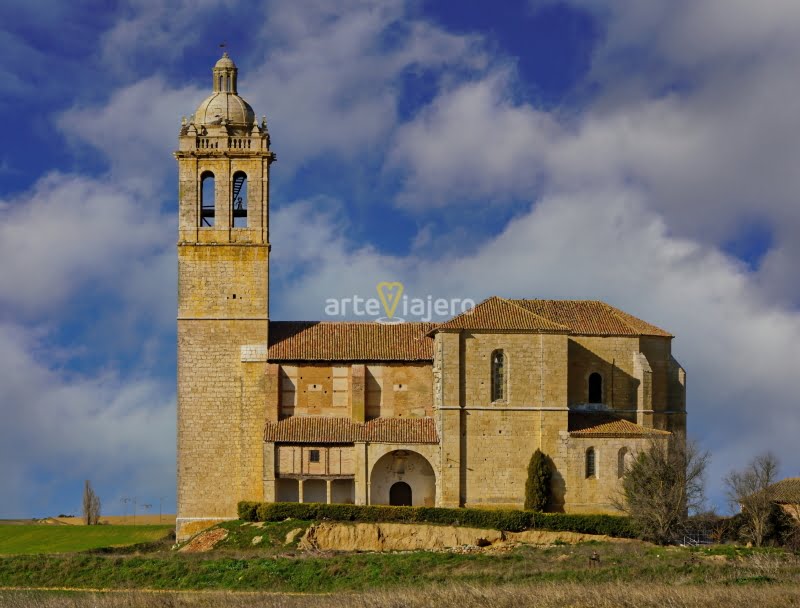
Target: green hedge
[508,520]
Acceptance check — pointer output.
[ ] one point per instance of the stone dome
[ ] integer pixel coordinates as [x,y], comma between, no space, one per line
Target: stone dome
[221,108]
[225,62]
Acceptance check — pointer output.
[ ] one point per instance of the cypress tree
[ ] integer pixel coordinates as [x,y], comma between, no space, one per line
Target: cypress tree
[537,486]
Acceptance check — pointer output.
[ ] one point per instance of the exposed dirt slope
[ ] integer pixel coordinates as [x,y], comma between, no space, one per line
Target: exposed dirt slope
[205,541]
[330,536]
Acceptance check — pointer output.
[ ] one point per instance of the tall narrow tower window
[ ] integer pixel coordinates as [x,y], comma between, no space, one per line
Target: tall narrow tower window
[595,388]
[207,199]
[498,376]
[591,467]
[239,200]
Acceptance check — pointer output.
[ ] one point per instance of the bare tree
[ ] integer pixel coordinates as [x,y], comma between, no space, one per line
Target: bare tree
[792,540]
[91,505]
[662,485]
[751,491]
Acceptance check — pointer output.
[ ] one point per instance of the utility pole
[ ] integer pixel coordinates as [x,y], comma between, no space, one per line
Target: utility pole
[125,500]
[160,504]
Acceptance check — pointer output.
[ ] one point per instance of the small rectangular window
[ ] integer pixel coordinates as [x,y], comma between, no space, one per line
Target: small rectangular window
[313,456]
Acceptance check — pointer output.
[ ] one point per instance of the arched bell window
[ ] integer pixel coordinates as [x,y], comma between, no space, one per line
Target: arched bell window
[595,388]
[239,211]
[498,376]
[207,199]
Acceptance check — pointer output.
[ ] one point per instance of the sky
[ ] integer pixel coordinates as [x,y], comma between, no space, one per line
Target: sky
[645,154]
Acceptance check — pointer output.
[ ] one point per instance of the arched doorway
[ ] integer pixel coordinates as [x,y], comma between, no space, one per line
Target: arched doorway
[400,494]
[402,477]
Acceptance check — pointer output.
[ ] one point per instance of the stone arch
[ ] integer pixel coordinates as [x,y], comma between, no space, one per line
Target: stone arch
[404,466]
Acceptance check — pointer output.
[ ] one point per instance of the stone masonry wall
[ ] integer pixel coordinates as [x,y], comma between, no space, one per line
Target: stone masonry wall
[220,417]
[488,443]
[222,305]
[592,494]
[612,358]
[223,282]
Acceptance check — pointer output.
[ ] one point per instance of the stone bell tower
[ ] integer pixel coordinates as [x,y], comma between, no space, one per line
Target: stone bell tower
[223,158]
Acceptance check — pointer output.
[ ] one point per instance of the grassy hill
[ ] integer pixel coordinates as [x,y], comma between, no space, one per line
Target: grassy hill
[33,539]
[265,557]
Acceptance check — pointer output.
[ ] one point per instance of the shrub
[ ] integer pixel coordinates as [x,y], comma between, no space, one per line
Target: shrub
[248,510]
[506,519]
[537,486]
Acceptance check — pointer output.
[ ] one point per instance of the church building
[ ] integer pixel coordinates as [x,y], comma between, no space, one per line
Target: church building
[444,414]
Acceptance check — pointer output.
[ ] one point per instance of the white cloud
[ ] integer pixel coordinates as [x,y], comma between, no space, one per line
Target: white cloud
[329,82]
[60,426]
[154,32]
[695,107]
[693,34]
[78,246]
[136,129]
[473,143]
[312,260]
[328,79]
[67,232]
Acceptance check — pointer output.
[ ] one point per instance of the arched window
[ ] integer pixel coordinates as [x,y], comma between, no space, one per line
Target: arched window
[623,460]
[220,83]
[595,388]
[239,200]
[207,199]
[498,376]
[591,465]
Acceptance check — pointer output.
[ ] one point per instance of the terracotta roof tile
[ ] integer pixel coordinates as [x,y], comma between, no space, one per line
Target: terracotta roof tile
[497,313]
[312,429]
[370,341]
[349,341]
[400,430]
[602,424]
[591,317]
[787,490]
[327,429]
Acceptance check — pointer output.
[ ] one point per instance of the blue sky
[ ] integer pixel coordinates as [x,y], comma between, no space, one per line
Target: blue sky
[641,153]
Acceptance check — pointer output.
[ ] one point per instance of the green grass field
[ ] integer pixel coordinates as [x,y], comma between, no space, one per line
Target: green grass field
[33,539]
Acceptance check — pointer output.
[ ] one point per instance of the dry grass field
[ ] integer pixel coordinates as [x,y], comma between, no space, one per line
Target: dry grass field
[167,519]
[554,595]
[124,520]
